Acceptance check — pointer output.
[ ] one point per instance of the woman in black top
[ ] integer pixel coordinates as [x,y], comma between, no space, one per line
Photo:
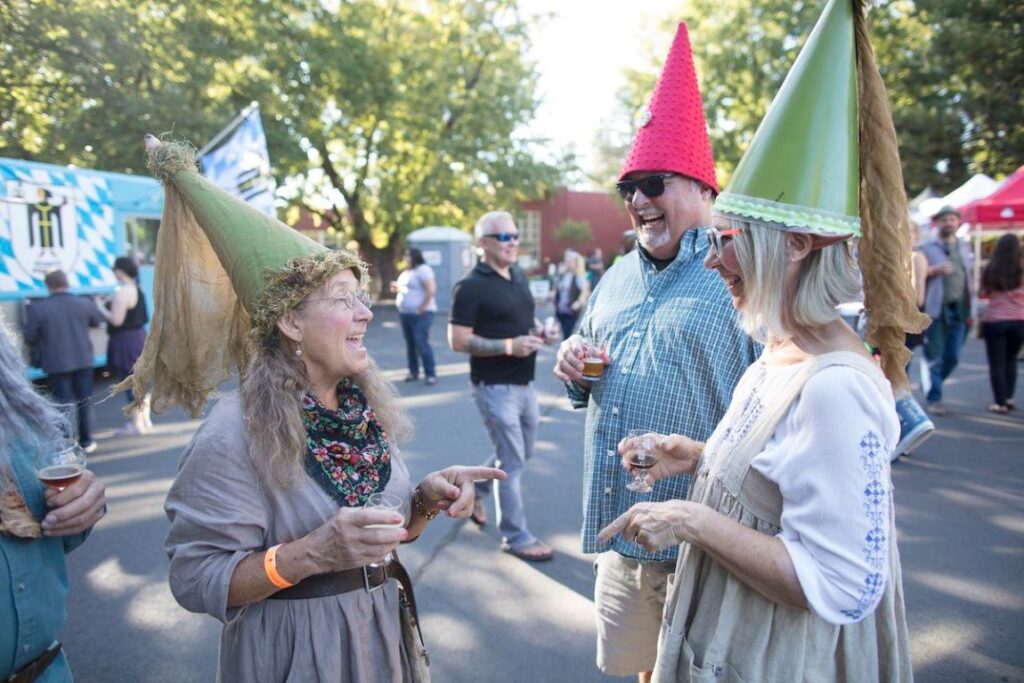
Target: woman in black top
[126,320]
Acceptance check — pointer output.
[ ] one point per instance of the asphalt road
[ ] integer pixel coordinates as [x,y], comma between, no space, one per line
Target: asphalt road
[489,617]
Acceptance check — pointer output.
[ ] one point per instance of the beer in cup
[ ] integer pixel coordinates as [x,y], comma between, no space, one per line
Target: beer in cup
[593,360]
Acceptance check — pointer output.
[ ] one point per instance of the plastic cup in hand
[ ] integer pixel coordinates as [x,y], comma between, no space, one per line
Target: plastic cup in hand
[388,502]
[642,455]
[593,360]
[61,464]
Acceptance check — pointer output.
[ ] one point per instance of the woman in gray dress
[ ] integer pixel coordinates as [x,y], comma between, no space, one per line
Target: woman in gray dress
[269,532]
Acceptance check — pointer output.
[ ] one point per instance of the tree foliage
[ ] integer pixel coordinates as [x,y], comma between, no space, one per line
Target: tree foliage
[574,231]
[954,70]
[384,116]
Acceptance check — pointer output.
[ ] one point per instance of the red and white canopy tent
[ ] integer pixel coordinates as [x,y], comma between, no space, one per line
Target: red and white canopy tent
[989,218]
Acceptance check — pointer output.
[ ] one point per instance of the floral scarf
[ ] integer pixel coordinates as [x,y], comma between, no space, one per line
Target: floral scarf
[349,451]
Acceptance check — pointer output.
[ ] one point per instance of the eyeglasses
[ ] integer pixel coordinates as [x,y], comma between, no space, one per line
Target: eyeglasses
[716,243]
[505,236]
[651,186]
[348,300]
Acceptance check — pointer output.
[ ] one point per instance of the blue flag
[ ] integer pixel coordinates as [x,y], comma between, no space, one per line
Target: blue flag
[241,164]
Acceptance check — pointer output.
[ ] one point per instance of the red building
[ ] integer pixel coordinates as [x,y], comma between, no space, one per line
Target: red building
[550,226]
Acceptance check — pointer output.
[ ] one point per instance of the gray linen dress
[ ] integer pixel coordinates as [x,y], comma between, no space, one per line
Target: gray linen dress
[220,512]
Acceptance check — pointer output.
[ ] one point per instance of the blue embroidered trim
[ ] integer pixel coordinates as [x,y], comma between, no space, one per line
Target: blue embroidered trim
[876,542]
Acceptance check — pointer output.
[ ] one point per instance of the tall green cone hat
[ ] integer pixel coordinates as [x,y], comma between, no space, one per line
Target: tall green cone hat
[225,274]
[825,160]
[801,168]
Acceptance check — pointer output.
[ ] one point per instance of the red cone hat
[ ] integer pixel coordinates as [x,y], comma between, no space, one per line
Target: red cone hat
[673,136]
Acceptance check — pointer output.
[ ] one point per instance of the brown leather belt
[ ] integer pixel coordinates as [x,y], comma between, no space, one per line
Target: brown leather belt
[365,578]
[36,667]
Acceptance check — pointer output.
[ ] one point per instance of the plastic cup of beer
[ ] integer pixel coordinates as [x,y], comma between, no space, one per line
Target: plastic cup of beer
[593,360]
[61,464]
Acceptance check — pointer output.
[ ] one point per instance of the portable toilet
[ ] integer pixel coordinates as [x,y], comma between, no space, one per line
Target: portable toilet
[449,252]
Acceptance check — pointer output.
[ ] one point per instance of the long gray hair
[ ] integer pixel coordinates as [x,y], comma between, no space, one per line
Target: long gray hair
[271,392]
[26,417]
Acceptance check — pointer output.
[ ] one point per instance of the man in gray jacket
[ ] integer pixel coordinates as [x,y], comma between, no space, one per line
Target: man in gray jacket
[947,300]
[58,328]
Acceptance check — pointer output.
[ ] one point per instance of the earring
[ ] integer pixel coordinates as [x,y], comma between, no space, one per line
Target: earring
[298,350]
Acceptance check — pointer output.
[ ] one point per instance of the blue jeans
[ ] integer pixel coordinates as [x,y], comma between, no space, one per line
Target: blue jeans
[511,415]
[943,342]
[75,388]
[568,323]
[416,329]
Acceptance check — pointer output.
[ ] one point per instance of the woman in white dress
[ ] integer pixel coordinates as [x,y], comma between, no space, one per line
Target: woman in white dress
[788,568]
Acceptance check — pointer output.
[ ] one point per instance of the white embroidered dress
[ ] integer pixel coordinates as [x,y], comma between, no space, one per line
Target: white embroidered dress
[801,454]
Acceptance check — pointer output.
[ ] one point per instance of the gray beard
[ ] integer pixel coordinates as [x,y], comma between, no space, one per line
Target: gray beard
[653,240]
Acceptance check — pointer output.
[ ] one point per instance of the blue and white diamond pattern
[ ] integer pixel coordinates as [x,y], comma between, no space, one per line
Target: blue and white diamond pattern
[94,214]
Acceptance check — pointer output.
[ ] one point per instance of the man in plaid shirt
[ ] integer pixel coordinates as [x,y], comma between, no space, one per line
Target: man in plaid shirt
[674,355]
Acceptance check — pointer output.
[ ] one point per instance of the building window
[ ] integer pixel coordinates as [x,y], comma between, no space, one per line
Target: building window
[529,239]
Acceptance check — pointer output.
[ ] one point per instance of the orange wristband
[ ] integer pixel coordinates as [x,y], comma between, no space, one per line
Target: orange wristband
[270,567]
[508,346]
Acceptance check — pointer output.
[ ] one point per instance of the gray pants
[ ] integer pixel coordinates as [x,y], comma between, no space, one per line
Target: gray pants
[511,415]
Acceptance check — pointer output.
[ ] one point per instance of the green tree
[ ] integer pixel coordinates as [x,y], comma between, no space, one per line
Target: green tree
[954,70]
[575,231]
[408,116]
[382,116]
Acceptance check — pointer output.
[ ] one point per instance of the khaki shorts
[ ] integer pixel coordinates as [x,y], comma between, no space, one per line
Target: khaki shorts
[629,598]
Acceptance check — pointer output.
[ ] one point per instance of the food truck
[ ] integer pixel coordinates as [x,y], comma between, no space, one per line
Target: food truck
[77,220]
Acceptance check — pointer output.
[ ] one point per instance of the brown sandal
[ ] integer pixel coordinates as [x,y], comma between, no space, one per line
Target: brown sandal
[541,552]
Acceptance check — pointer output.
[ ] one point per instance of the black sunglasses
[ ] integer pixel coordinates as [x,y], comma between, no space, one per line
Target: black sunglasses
[651,186]
[505,236]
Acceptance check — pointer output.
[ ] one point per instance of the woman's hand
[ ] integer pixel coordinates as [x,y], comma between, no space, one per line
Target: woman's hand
[353,537]
[76,508]
[656,526]
[451,489]
[679,455]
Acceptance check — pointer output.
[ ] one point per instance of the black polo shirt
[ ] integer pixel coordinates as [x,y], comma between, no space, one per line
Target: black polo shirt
[495,308]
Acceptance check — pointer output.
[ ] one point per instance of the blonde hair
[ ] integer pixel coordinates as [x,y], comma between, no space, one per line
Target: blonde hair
[577,264]
[827,278]
[272,391]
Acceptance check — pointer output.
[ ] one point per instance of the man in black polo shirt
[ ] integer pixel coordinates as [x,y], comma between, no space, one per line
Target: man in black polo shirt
[491,319]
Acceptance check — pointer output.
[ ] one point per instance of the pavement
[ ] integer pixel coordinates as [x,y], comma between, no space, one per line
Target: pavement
[489,617]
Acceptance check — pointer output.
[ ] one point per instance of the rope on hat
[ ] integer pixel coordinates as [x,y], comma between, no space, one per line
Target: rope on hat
[885,249]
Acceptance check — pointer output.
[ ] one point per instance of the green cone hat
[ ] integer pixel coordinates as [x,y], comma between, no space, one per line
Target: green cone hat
[801,168]
[225,274]
[249,243]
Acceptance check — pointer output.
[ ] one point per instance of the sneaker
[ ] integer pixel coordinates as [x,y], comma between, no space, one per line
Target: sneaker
[915,426]
[936,408]
[431,381]
[89,446]
[409,378]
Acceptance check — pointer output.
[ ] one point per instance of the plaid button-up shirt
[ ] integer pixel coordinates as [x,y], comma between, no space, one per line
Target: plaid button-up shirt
[676,354]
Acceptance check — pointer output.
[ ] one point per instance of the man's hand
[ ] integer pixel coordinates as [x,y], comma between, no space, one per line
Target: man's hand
[452,488]
[679,455]
[526,344]
[569,361]
[940,269]
[76,508]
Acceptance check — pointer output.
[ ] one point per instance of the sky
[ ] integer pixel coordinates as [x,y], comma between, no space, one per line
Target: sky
[581,53]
